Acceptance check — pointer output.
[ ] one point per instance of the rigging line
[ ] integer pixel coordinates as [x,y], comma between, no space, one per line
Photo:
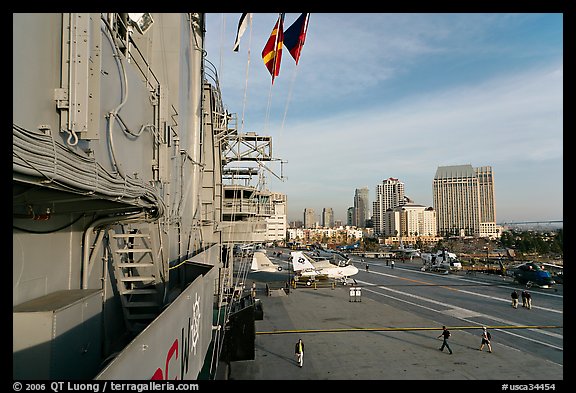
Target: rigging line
[267,115]
[288,99]
[221,55]
[246,78]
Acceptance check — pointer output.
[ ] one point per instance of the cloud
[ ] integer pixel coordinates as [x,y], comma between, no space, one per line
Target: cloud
[507,121]
[397,95]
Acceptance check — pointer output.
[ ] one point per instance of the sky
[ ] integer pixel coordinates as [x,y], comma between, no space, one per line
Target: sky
[382,95]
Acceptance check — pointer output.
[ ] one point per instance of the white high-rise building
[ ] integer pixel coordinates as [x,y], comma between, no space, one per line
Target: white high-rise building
[389,194]
[277,223]
[464,201]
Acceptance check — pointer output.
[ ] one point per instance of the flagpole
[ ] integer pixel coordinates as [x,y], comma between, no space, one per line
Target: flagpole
[300,41]
[279,30]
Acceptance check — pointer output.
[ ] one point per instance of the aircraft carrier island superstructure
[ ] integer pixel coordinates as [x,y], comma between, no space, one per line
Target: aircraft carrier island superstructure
[121,223]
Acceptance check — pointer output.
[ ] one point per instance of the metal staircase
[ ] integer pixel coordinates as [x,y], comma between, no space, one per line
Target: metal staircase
[136,278]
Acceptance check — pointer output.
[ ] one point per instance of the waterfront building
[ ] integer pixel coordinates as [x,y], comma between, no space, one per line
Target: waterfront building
[410,220]
[464,200]
[339,235]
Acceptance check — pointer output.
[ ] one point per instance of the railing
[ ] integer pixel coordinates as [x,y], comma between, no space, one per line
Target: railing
[240,207]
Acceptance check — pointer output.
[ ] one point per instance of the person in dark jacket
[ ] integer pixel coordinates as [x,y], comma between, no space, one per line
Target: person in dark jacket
[528,300]
[445,335]
[299,351]
[524,298]
[514,296]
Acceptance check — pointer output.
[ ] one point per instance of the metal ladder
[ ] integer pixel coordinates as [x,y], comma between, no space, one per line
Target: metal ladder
[136,272]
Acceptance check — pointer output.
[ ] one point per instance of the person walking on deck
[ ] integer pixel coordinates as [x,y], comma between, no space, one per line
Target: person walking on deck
[299,350]
[486,337]
[528,300]
[445,335]
[524,298]
[514,296]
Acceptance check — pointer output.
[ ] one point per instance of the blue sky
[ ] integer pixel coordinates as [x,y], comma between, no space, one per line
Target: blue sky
[398,95]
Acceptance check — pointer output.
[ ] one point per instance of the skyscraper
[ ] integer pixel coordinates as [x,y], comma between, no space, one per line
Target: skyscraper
[327,217]
[309,218]
[361,207]
[389,194]
[464,201]
[350,215]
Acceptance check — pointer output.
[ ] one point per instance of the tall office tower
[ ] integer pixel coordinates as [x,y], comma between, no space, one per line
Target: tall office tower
[361,207]
[464,201]
[327,217]
[389,194]
[309,218]
[487,195]
[350,216]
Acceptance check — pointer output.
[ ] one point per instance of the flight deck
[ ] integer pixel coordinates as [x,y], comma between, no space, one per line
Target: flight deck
[360,337]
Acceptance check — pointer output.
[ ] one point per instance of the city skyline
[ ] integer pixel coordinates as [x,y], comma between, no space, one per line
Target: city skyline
[419,92]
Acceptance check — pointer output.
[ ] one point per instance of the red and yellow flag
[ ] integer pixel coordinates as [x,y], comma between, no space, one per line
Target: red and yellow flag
[272,53]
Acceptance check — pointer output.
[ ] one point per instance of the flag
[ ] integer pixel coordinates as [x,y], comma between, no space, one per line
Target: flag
[295,36]
[245,20]
[272,53]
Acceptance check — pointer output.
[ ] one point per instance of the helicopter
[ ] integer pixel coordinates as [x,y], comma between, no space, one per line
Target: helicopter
[532,274]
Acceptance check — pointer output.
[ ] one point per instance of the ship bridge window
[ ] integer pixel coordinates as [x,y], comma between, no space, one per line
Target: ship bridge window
[230,194]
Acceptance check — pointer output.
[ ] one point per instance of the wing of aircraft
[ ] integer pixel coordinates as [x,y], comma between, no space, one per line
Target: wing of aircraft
[334,256]
[261,263]
[306,267]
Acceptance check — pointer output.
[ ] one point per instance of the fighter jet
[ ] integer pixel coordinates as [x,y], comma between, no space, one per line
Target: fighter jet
[306,268]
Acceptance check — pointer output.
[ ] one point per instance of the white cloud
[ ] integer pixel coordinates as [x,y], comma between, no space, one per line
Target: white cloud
[508,121]
[397,95]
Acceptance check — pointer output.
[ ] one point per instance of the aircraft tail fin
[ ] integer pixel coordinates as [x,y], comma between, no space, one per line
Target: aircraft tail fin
[261,262]
[300,261]
[254,265]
